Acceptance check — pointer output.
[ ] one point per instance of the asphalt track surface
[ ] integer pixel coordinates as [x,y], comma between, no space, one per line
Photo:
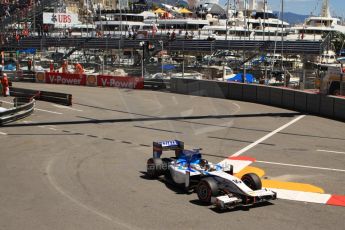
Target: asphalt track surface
[82,167]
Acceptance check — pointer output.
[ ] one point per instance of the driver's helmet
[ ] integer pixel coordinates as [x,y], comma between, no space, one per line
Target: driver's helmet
[203,163]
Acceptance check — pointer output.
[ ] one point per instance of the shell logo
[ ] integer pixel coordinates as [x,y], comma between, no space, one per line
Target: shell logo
[91,80]
[40,76]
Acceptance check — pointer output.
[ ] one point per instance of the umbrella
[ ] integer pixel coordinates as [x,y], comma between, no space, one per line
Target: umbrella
[10,67]
[184,11]
[238,78]
[168,67]
[28,51]
[159,11]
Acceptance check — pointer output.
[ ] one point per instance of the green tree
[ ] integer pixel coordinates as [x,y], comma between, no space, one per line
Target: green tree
[334,40]
[338,40]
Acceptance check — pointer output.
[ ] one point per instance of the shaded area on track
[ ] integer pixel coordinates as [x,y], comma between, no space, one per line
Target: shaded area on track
[95,121]
[305,135]
[163,130]
[214,125]
[235,209]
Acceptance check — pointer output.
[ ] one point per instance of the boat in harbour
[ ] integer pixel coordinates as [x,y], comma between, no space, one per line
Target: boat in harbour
[251,19]
[315,28]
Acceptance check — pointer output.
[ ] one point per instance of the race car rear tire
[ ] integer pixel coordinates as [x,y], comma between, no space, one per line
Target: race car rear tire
[155,167]
[207,188]
[252,180]
[166,172]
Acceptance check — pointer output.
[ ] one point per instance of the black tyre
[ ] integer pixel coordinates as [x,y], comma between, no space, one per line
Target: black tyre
[207,188]
[167,177]
[252,180]
[167,160]
[165,167]
[155,167]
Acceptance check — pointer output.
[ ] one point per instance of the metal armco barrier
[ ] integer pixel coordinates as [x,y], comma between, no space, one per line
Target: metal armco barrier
[19,92]
[17,113]
[59,98]
[156,84]
[18,101]
[339,108]
[24,76]
[27,76]
[302,101]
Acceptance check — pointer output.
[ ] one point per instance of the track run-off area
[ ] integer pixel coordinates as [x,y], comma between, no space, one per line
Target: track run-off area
[83,167]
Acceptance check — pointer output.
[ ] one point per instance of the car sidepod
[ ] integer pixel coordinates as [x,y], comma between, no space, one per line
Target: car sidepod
[179,173]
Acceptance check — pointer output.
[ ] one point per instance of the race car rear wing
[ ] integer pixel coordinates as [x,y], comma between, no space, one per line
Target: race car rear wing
[160,146]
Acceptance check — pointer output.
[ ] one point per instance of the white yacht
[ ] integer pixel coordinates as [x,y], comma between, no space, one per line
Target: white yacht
[147,24]
[178,25]
[123,23]
[315,27]
[253,20]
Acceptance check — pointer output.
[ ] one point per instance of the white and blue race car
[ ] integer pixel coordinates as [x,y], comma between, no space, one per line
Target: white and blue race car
[213,183]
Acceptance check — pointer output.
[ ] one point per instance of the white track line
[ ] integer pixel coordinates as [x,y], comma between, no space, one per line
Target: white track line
[301,166]
[245,149]
[310,197]
[48,111]
[1,133]
[238,106]
[67,107]
[47,127]
[329,151]
[6,102]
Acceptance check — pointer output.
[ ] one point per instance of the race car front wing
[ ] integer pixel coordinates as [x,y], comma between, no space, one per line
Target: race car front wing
[229,201]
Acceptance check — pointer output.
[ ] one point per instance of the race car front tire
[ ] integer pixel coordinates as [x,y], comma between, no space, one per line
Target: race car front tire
[252,180]
[207,188]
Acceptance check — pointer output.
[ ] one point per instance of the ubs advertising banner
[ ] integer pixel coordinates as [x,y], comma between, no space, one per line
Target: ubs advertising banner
[60,19]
